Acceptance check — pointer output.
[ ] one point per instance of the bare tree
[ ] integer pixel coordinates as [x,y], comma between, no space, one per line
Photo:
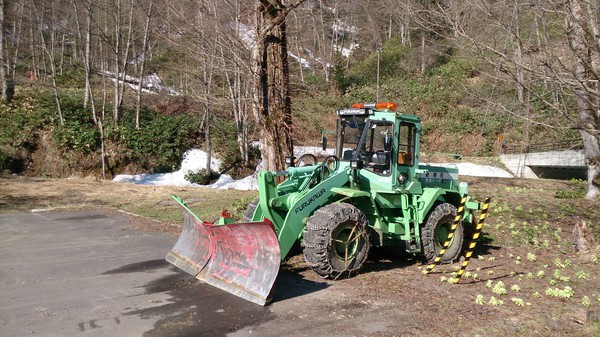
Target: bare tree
[87,60]
[138,98]
[567,66]
[49,47]
[4,74]
[587,97]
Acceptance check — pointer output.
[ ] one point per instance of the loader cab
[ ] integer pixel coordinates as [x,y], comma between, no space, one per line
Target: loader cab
[384,141]
[360,137]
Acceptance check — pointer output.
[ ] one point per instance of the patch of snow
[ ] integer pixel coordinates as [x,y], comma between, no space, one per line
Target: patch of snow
[304,62]
[246,33]
[316,150]
[245,184]
[340,26]
[346,52]
[150,84]
[193,160]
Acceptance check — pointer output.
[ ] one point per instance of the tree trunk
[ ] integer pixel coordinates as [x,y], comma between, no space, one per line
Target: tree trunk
[117,60]
[7,83]
[580,45]
[272,101]
[138,97]
[87,41]
[126,49]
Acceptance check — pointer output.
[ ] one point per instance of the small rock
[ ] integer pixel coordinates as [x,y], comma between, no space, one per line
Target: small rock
[515,324]
[592,317]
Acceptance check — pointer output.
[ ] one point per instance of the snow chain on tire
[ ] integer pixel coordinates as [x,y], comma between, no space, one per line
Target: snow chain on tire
[333,227]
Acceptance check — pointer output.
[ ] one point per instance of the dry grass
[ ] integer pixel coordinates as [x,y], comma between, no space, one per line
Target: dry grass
[22,194]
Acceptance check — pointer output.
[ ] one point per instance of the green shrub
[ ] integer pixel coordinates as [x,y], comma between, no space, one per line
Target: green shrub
[76,136]
[200,177]
[577,192]
[73,76]
[160,142]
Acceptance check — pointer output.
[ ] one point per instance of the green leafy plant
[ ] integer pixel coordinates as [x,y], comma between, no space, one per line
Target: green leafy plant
[566,292]
[582,275]
[201,177]
[562,264]
[560,277]
[577,192]
[495,302]
[518,301]
[499,288]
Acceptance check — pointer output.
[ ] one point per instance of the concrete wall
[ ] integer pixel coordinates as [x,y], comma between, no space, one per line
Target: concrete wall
[533,165]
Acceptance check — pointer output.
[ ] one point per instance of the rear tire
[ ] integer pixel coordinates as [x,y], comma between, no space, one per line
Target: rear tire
[336,241]
[435,232]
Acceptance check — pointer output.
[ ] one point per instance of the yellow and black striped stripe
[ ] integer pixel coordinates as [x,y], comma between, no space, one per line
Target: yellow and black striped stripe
[474,239]
[459,213]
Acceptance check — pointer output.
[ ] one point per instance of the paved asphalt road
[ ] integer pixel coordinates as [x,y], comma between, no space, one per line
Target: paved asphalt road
[82,273]
[94,274]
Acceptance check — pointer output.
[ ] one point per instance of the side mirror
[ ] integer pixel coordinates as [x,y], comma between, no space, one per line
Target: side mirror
[356,164]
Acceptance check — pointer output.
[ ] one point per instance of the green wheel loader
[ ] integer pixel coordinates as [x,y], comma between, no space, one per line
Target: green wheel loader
[372,192]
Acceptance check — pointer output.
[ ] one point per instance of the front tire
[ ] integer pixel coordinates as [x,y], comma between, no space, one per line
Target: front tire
[435,232]
[336,241]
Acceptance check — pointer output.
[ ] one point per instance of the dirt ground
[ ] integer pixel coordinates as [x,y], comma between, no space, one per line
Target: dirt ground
[525,277]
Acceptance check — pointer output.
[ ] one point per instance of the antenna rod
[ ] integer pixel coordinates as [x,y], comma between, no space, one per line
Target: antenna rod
[377,92]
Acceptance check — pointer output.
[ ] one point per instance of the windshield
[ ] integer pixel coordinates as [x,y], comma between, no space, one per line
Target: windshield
[367,140]
[350,128]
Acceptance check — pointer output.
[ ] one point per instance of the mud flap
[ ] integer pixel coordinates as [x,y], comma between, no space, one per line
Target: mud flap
[242,259]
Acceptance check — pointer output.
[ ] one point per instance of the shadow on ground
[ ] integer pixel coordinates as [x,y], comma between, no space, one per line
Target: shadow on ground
[198,309]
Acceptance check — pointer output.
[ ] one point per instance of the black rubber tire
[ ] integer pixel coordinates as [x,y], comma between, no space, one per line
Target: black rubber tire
[324,248]
[440,218]
[249,212]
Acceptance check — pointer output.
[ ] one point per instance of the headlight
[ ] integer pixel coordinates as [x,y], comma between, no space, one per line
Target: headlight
[402,178]
[289,161]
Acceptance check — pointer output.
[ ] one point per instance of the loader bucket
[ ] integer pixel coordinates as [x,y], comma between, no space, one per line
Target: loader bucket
[242,258]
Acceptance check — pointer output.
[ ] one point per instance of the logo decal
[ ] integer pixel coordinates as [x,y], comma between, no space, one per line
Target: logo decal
[305,204]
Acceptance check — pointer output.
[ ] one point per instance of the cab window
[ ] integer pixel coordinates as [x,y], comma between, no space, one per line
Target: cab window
[406,144]
[376,148]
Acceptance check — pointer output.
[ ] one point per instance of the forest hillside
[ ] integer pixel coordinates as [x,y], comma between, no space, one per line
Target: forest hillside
[105,87]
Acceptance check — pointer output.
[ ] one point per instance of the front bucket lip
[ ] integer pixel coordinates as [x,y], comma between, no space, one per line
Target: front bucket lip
[242,258]
[182,263]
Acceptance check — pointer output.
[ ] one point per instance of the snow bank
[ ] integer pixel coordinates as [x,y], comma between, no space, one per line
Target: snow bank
[316,150]
[195,159]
